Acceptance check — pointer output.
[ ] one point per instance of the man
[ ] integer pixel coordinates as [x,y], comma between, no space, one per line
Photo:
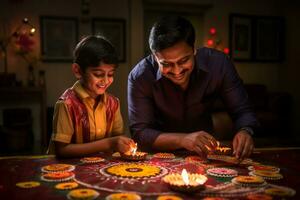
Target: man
[171,93]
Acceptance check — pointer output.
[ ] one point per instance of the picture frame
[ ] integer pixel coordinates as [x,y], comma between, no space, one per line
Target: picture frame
[241,38]
[269,39]
[256,38]
[59,36]
[115,31]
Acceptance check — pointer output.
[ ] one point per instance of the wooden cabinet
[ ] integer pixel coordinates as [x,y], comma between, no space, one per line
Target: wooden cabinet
[28,95]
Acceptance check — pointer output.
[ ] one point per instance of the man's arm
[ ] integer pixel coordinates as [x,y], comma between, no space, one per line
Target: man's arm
[200,142]
[237,102]
[141,108]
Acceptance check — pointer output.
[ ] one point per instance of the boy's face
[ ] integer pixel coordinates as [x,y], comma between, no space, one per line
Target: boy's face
[176,63]
[97,79]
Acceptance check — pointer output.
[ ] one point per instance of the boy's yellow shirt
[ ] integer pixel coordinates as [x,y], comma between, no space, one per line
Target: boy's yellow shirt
[63,128]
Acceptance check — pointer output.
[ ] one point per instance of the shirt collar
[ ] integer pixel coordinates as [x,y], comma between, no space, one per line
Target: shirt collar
[82,93]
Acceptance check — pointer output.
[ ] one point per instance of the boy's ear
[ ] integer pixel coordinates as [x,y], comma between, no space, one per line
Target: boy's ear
[76,70]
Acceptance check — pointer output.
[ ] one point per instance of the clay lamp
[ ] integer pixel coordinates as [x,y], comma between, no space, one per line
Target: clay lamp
[133,154]
[185,182]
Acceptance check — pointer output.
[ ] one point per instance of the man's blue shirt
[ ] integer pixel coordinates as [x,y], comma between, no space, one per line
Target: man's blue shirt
[156,104]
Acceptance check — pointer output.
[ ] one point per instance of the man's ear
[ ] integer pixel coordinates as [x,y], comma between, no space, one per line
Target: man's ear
[76,70]
[195,51]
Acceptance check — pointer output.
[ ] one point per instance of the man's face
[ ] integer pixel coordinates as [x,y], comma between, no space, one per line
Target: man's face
[176,63]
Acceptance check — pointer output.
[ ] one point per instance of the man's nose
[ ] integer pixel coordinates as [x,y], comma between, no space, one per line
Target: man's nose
[177,69]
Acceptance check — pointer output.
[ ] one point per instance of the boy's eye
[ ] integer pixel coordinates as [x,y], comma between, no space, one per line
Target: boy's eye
[98,75]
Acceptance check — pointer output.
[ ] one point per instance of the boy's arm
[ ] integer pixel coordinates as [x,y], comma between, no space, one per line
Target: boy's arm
[117,143]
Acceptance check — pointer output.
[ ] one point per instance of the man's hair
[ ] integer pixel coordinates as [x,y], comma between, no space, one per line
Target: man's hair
[92,50]
[170,30]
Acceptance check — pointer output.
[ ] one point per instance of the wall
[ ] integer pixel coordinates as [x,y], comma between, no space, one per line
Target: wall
[277,76]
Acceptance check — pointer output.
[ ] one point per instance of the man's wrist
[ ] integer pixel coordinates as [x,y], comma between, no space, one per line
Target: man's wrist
[248,130]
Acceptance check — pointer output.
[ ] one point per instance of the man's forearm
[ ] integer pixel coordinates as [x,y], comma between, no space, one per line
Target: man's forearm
[168,141]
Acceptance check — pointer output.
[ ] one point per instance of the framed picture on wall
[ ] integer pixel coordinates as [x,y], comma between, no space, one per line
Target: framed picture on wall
[59,36]
[114,30]
[240,40]
[269,39]
[257,38]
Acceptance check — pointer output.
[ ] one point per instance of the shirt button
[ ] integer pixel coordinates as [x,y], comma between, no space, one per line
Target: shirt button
[99,130]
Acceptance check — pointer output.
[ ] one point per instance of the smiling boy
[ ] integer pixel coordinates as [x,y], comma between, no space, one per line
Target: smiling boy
[87,119]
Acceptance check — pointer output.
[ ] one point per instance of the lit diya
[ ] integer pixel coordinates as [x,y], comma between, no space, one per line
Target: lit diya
[133,154]
[185,182]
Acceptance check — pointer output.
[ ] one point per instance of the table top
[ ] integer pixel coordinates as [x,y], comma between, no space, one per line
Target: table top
[105,177]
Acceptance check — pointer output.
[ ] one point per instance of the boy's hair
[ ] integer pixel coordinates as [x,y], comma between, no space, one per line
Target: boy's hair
[169,30]
[92,50]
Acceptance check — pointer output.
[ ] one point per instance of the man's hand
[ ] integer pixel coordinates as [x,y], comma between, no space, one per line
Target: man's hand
[242,144]
[200,142]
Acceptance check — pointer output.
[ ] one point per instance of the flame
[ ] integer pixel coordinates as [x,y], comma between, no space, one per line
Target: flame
[185,177]
[133,149]
[222,149]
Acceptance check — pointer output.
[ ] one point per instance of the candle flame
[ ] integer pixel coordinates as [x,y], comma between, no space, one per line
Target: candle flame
[185,177]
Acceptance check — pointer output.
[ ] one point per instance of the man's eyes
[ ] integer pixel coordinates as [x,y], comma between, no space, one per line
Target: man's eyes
[165,64]
[183,61]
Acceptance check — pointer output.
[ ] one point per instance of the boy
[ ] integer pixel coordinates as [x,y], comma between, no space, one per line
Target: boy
[86,118]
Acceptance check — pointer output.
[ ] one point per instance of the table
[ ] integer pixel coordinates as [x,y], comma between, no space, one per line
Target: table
[26,168]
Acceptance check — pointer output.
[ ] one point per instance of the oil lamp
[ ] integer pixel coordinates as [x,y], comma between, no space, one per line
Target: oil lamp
[185,182]
[133,154]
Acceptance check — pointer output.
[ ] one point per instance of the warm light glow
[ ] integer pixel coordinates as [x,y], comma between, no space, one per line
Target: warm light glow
[25,20]
[226,50]
[222,149]
[133,149]
[212,30]
[185,177]
[32,30]
[201,179]
[210,42]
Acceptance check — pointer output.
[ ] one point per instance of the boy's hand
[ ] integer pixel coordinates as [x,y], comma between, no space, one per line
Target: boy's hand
[122,144]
